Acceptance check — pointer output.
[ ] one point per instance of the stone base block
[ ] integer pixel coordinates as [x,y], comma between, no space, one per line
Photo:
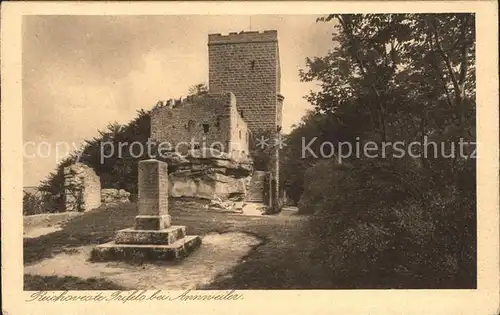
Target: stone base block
[152,222]
[154,237]
[142,252]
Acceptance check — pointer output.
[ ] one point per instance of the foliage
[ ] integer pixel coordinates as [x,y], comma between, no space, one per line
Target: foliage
[315,128]
[32,204]
[409,220]
[200,88]
[392,225]
[35,203]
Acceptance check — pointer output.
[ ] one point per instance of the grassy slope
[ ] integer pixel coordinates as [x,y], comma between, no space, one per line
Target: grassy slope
[282,261]
[53,283]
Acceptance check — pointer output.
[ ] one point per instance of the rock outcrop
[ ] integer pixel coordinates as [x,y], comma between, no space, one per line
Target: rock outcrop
[208,174]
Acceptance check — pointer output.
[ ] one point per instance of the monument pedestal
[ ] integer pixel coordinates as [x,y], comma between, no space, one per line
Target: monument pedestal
[153,237]
[114,251]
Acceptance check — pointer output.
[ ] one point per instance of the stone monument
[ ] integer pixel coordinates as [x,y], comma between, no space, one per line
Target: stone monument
[152,237]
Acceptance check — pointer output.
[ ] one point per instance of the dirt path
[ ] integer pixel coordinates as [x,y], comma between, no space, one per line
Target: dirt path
[289,211]
[216,257]
[238,251]
[39,231]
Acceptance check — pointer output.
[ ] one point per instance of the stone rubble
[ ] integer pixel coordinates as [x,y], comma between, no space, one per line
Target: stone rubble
[112,196]
[223,205]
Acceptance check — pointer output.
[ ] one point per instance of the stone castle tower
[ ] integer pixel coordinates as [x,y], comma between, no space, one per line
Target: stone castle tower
[248,65]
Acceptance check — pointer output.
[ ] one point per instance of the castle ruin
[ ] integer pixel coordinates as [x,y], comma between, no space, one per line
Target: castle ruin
[243,100]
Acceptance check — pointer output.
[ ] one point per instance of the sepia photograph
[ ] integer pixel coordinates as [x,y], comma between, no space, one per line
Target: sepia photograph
[235,152]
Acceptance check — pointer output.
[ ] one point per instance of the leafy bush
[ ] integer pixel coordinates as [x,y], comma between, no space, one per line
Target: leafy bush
[314,129]
[32,204]
[379,226]
[40,203]
[387,221]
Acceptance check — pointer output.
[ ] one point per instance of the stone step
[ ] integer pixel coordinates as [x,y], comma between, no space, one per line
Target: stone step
[257,200]
[256,188]
[155,237]
[141,252]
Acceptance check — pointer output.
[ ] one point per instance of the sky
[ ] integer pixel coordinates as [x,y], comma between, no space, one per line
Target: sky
[82,72]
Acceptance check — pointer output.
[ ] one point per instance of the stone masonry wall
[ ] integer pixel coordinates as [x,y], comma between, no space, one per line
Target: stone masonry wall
[247,64]
[112,196]
[82,188]
[208,118]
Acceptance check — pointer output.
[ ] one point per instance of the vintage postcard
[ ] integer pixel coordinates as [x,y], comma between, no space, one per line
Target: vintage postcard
[250,157]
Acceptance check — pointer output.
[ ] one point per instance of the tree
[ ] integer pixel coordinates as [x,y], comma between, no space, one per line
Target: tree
[314,129]
[200,88]
[387,78]
[400,73]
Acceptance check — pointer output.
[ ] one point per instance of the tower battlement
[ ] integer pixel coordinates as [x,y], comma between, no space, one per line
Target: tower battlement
[243,37]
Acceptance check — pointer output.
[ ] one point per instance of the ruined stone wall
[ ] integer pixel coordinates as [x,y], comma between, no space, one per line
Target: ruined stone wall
[247,64]
[82,188]
[208,118]
[240,135]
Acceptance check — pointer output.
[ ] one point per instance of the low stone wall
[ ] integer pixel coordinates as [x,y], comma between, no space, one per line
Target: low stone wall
[82,188]
[111,196]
